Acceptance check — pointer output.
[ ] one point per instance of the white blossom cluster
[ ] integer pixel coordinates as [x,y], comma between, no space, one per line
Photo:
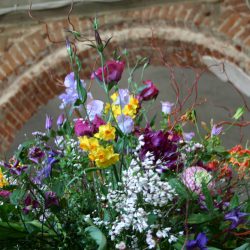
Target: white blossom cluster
[140,187]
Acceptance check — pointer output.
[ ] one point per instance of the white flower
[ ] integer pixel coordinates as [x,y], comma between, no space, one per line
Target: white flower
[121,245]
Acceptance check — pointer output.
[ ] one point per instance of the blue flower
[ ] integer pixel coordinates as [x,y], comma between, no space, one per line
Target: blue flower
[199,243]
[236,217]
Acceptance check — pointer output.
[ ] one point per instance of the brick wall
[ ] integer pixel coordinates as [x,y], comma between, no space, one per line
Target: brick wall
[32,68]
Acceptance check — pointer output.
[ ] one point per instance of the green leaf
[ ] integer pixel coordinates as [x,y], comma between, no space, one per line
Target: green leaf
[201,218]
[16,196]
[97,235]
[179,188]
[213,248]
[245,246]
[239,112]
[81,91]
[152,122]
[208,198]
[10,230]
[58,187]
[234,202]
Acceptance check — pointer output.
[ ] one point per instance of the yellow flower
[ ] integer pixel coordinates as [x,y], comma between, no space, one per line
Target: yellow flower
[106,132]
[114,96]
[3,181]
[104,157]
[107,108]
[116,109]
[131,108]
[88,144]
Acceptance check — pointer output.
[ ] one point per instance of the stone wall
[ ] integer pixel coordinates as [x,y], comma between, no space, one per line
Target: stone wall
[33,59]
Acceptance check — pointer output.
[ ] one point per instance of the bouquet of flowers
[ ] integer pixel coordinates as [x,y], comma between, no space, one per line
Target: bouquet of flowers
[106,176]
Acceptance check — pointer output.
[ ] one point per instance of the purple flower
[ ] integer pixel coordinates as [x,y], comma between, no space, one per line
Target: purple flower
[36,154]
[97,122]
[125,123]
[5,194]
[112,72]
[70,95]
[94,107]
[30,203]
[51,199]
[163,145]
[199,243]
[236,217]
[15,167]
[83,128]
[48,122]
[216,130]
[194,177]
[149,92]
[123,98]
[166,107]
[188,136]
[60,120]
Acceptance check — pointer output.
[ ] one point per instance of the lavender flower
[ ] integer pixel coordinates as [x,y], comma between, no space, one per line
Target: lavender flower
[123,98]
[15,167]
[48,122]
[70,95]
[60,120]
[188,136]
[167,107]
[94,107]
[125,123]
[236,217]
[216,130]
[199,243]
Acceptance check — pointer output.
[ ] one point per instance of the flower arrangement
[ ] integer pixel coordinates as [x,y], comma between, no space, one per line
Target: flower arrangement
[108,177]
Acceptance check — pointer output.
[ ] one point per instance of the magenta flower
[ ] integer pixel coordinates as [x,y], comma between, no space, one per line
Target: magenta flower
[125,123]
[216,130]
[83,128]
[97,122]
[94,107]
[166,107]
[199,243]
[30,204]
[112,72]
[15,167]
[149,92]
[5,194]
[236,217]
[194,177]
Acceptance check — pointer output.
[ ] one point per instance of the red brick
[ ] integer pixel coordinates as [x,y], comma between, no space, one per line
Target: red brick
[230,21]
[9,60]
[17,55]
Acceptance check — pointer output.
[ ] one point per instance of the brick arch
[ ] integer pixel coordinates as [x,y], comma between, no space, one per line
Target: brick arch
[29,69]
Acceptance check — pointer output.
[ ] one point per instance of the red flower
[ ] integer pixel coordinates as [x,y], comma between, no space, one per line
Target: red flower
[112,72]
[149,92]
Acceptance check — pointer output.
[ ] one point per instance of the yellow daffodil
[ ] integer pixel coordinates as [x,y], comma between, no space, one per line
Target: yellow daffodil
[104,157]
[107,108]
[88,144]
[3,181]
[106,132]
[131,108]
[114,96]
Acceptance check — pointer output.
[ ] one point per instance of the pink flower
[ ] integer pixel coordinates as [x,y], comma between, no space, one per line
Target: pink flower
[112,71]
[149,92]
[83,128]
[5,193]
[194,177]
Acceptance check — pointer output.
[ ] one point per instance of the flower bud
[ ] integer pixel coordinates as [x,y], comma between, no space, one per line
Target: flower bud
[48,122]
[148,93]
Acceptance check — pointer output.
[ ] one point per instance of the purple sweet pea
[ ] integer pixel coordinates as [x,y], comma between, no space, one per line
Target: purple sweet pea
[30,203]
[15,167]
[51,199]
[166,107]
[36,154]
[60,120]
[199,243]
[94,107]
[188,136]
[112,72]
[149,92]
[216,130]
[83,128]
[236,217]
[48,122]
[125,123]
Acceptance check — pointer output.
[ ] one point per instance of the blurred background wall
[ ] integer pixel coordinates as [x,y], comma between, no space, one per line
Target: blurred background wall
[209,35]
